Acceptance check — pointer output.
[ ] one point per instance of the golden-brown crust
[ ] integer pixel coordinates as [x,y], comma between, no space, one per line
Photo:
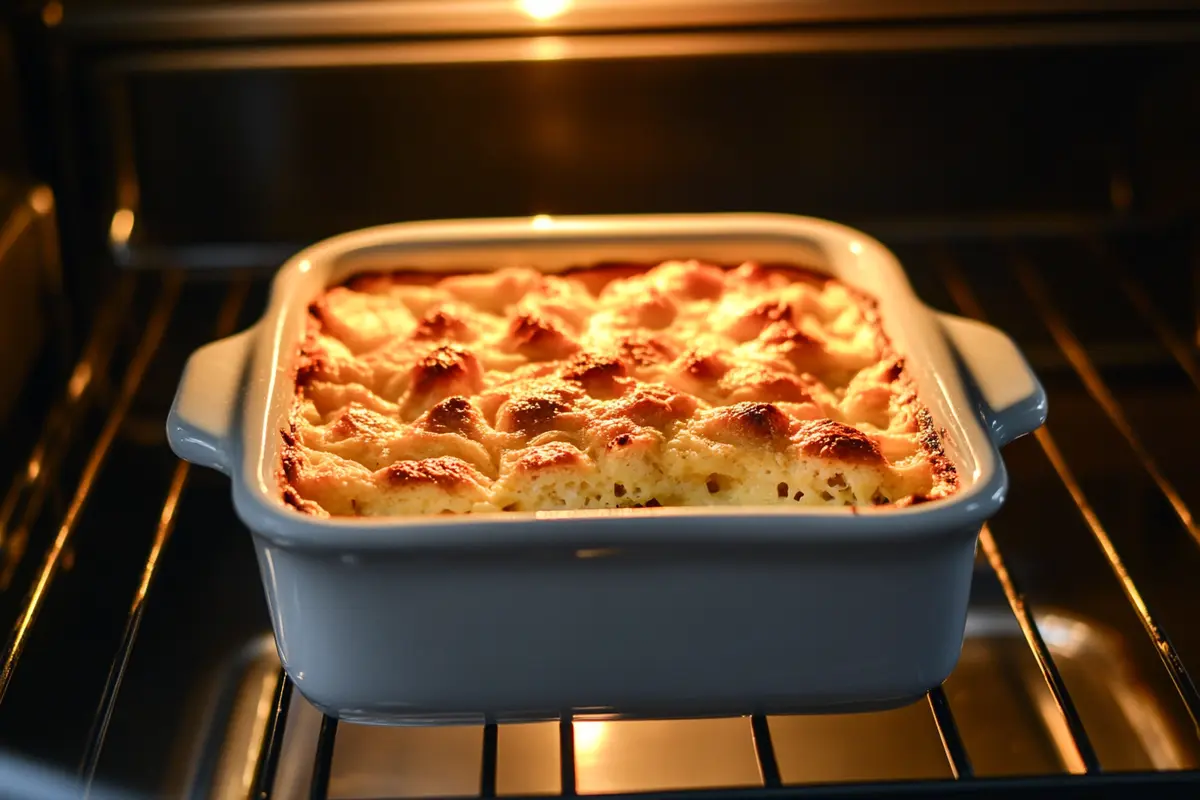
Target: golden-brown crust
[362,422]
[643,351]
[446,366]
[703,365]
[748,424]
[827,439]
[619,385]
[652,406]
[444,472]
[539,338]
[290,454]
[292,498]
[440,323]
[599,375]
[453,415]
[549,456]
[531,414]
[764,384]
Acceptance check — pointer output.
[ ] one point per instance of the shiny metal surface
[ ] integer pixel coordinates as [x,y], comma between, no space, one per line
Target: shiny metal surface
[25,272]
[1003,708]
[281,18]
[170,722]
[529,138]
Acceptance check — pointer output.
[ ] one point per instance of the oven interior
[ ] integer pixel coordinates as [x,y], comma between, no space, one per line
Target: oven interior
[1032,165]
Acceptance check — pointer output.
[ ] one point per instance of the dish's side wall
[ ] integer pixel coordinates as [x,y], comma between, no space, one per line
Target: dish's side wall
[386,637]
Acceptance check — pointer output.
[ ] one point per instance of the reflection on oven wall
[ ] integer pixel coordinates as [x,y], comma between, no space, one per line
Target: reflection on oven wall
[242,155]
[860,138]
[24,245]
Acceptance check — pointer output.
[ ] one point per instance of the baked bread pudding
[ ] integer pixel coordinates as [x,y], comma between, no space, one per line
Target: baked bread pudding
[678,384]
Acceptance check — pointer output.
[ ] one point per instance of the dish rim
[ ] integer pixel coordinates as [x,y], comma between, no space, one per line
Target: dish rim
[249,452]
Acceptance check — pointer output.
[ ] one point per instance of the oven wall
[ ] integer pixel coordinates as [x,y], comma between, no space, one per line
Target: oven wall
[239,157]
[22,251]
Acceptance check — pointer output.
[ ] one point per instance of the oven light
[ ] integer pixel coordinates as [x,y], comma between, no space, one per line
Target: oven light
[121,227]
[589,738]
[856,248]
[542,222]
[544,9]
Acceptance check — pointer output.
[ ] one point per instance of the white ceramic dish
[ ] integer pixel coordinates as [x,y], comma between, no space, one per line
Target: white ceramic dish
[676,611]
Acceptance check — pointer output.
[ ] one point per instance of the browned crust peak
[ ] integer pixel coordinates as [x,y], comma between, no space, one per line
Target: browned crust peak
[444,471]
[532,414]
[597,374]
[441,324]
[539,338]
[749,423]
[828,439]
[453,415]
[553,455]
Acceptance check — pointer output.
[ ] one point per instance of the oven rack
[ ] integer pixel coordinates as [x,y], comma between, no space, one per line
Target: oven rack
[43,561]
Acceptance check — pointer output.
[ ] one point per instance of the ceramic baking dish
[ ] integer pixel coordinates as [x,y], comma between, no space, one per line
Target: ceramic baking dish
[665,611]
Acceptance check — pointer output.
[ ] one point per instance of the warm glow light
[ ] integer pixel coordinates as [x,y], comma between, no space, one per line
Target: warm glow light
[121,227]
[856,248]
[41,200]
[589,736]
[304,266]
[548,48]
[542,222]
[80,379]
[544,9]
[52,14]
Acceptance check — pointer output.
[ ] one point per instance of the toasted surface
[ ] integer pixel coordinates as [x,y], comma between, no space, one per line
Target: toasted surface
[683,383]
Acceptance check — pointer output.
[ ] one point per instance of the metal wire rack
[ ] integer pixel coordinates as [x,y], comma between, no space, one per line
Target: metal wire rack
[41,564]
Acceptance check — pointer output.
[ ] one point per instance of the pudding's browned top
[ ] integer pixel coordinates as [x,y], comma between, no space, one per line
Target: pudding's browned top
[680,384]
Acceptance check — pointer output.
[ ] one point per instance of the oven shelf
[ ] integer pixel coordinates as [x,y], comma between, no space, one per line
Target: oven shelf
[1076,675]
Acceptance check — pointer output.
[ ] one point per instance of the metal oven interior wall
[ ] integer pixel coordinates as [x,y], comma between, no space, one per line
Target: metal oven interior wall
[1047,188]
[222,159]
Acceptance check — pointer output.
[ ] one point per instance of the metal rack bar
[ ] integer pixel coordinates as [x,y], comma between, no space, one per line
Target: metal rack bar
[31,483]
[956,750]
[116,670]
[487,769]
[226,320]
[566,756]
[1182,681]
[152,335]
[1102,786]
[764,750]
[969,305]
[1162,643]
[323,763]
[1089,784]
[1196,287]
[1080,741]
[272,746]
[1035,289]
[1150,314]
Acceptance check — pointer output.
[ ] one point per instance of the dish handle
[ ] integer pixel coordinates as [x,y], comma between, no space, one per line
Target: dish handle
[1016,402]
[200,424]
